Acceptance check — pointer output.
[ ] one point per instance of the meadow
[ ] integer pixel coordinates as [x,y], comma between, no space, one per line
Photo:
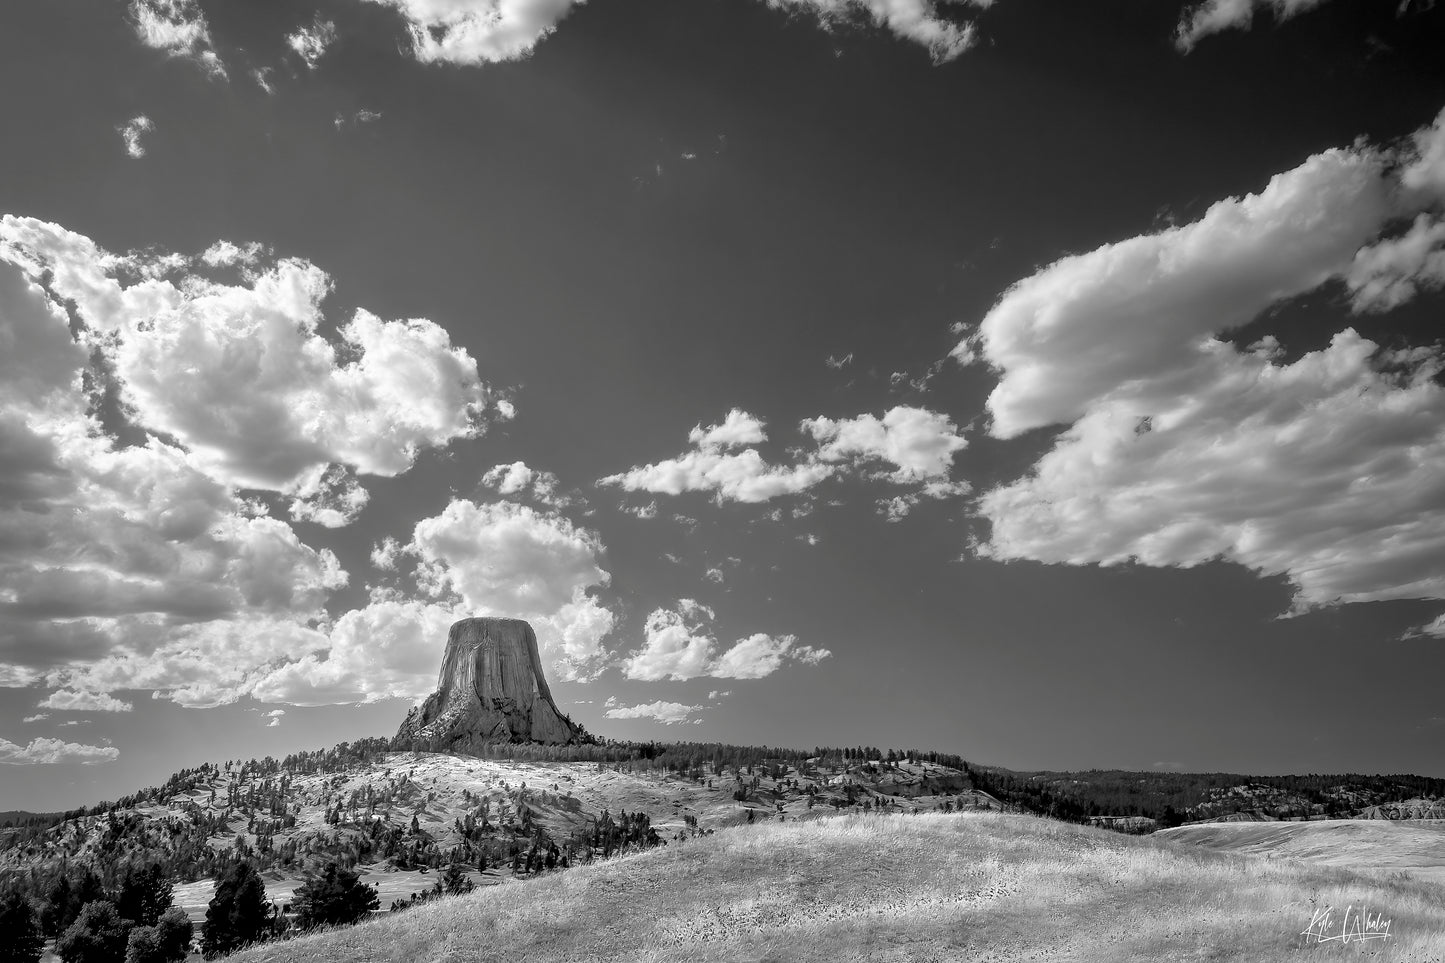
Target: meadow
[931,887]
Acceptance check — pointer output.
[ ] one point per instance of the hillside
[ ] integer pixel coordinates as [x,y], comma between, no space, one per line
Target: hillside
[398,815]
[1416,847]
[976,886]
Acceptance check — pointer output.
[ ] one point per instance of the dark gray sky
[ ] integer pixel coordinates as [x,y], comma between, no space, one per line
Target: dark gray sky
[668,212]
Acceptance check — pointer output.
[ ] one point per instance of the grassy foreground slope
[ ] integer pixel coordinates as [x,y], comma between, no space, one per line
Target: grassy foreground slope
[977,887]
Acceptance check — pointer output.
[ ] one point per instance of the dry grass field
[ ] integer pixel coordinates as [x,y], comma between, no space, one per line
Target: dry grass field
[1416,847]
[976,887]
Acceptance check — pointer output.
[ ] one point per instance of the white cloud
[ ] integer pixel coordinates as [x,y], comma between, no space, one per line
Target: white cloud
[1387,274]
[518,479]
[274,717]
[38,717]
[640,511]
[679,644]
[227,254]
[1092,324]
[179,28]
[898,507]
[389,648]
[72,701]
[334,502]
[131,132]
[47,752]
[760,655]
[478,31]
[715,695]
[839,363]
[310,42]
[920,444]
[471,32]
[1183,447]
[737,429]
[125,567]
[497,559]
[240,376]
[667,713]
[1434,628]
[1215,16]
[914,20]
[1424,172]
[714,466]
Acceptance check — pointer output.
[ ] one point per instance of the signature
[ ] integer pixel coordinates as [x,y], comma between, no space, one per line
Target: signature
[1357,925]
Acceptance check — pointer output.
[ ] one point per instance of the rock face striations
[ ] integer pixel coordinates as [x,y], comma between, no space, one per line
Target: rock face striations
[491,689]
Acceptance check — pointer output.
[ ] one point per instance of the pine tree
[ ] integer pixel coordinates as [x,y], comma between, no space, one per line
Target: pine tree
[455,882]
[144,895]
[337,896]
[58,914]
[238,914]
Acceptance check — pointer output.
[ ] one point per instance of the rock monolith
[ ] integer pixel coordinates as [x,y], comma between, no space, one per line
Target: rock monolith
[491,689]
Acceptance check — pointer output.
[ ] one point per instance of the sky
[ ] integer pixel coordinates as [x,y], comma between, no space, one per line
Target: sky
[1053,383]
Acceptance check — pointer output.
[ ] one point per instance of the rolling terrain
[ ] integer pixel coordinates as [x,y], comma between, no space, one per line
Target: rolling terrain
[878,887]
[1416,847]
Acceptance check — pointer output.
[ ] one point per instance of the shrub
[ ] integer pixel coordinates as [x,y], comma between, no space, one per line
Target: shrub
[98,935]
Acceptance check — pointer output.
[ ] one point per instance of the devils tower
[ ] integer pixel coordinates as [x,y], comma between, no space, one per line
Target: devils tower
[491,689]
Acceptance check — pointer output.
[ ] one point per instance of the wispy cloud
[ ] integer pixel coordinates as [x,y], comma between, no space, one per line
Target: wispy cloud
[131,131]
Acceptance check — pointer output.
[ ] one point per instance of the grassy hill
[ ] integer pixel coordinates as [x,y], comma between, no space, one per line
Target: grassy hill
[1416,847]
[975,886]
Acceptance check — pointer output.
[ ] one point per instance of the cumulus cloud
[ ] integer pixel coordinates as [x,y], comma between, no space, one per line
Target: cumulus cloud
[714,465]
[144,565]
[72,701]
[914,20]
[274,716]
[918,443]
[667,713]
[1088,324]
[241,377]
[227,254]
[1216,16]
[38,717]
[518,479]
[472,559]
[131,131]
[179,28]
[919,446]
[386,649]
[679,644]
[49,752]
[737,429]
[120,562]
[310,42]
[471,32]
[1182,447]
[1387,274]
